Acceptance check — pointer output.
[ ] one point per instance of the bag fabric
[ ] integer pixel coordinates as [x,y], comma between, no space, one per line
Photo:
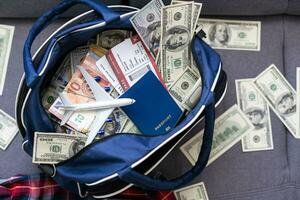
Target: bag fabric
[115,163]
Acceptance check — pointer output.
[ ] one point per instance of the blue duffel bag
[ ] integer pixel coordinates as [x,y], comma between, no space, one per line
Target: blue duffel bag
[109,166]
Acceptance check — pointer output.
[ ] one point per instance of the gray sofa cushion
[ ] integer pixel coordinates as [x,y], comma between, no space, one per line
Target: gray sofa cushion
[293,7]
[34,8]
[292,60]
[246,8]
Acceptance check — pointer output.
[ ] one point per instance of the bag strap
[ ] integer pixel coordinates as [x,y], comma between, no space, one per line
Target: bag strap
[30,71]
[132,176]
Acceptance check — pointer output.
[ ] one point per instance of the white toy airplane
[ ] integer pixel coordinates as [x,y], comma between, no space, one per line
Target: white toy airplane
[103,110]
[98,105]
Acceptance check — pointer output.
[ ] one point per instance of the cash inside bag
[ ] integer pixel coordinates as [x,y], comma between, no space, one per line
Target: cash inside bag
[162,78]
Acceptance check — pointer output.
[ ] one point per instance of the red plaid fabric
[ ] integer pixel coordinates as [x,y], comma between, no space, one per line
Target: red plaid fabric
[35,187]
[42,187]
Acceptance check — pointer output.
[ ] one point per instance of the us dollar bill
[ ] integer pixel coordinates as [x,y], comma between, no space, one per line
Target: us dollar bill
[63,75]
[229,128]
[257,111]
[176,33]
[129,127]
[117,122]
[280,96]
[49,96]
[298,100]
[192,192]
[192,98]
[147,24]
[51,148]
[6,37]
[196,11]
[76,56]
[182,86]
[232,34]
[8,129]
[110,38]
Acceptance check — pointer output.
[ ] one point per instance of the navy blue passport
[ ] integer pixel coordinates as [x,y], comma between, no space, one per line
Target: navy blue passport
[154,111]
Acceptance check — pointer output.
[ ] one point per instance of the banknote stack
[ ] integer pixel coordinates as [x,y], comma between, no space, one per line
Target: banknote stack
[109,62]
[167,31]
[68,84]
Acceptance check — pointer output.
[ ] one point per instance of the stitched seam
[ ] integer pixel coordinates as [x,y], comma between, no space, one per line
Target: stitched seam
[287,7]
[284,72]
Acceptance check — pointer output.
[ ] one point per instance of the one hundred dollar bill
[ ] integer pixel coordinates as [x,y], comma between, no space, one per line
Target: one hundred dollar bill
[6,37]
[147,24]
[298,100]
[230,127]
[63,75]
[232,34]
[76,56]
[192,192]
[257,111]
[280,96]
[49,96]
[117,122]
[192,98]
[129,127]
[51,148]
[176,33]
[8,129]
[196,11]
[110,38]
[183,85]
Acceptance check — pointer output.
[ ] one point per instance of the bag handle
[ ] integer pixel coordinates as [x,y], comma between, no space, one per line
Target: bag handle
[131,176]
[42,22]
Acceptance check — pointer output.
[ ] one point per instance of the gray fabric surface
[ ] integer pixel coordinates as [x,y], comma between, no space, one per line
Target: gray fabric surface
[292,60]
[249,7]
[293,7]
[34,8]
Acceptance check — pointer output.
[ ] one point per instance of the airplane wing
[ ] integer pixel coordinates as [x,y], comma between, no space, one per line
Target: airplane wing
[67,113]
[100,95]
[100,119]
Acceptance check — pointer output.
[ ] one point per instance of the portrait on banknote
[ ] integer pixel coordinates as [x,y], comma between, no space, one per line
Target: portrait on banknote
[112,127]
[177,38]
[257,116]
[219,34]
[111,38]
[76,146]
[286,104]
[152,36]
